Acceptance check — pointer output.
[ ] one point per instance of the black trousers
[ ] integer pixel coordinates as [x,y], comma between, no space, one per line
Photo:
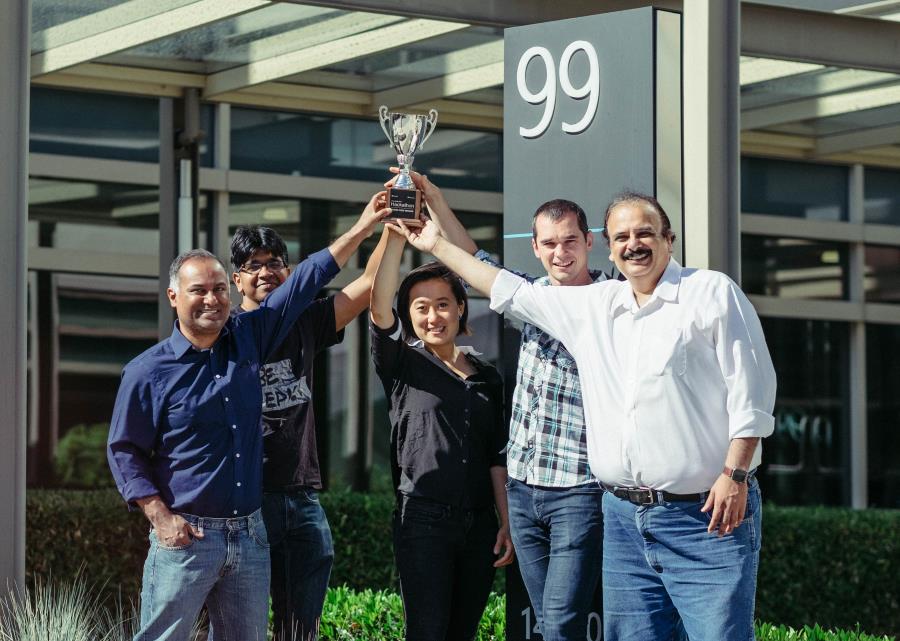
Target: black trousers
[445,558]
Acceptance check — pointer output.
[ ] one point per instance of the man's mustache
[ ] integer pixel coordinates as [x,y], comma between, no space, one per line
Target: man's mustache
[637,253]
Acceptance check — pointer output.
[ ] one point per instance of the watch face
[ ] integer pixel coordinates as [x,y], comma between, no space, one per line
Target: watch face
[739,476]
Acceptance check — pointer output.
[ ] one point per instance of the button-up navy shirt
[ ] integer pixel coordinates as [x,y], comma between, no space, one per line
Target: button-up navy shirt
[187,423]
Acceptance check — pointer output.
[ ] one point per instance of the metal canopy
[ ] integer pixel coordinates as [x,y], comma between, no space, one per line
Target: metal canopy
[814,84]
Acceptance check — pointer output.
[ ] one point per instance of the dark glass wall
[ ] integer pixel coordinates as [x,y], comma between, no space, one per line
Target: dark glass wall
[794,189]
[807,460]
[883,395]
[794,267]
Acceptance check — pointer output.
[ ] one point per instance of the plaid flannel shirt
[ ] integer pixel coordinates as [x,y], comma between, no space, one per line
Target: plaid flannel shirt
[547,438]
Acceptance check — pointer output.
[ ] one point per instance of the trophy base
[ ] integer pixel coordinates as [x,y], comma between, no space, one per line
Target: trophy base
[406,205]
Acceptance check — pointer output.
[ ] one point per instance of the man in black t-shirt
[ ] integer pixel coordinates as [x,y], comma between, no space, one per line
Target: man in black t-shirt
[299,535]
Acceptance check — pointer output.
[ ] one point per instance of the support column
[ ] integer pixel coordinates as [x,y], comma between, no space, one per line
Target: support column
[859,453]
[712,196]
[168,211]
[15,31]
[179,136]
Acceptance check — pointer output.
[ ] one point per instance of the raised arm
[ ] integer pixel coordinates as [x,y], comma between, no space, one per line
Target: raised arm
[428,239]
[281,309]
[346,245]
[448,223]
[354,298]
[387,277]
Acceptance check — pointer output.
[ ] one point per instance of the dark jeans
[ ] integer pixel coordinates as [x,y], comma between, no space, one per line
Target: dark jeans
[445,557]
[558,535]
[302,554]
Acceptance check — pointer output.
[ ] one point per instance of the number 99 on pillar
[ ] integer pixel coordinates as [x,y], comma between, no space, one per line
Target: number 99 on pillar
[559,77]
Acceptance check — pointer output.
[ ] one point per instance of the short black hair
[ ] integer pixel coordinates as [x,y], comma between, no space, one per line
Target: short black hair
[431,271]
[179,261]
[648,202]
[248,240]
[556,209]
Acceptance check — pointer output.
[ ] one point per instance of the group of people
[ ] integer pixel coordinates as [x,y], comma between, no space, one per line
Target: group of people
[630,446]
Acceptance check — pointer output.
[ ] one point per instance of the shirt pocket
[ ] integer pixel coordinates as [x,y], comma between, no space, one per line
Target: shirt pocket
[664,350]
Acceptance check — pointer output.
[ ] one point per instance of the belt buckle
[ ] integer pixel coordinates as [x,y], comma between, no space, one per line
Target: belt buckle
[643,496]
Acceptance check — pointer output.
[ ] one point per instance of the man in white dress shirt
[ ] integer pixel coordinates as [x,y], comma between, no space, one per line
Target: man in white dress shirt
[678,389]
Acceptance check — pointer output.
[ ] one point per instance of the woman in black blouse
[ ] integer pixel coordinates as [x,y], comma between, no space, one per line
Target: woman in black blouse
[447,434]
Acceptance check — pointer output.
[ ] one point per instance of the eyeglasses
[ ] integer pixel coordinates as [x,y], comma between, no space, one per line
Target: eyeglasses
[274,265]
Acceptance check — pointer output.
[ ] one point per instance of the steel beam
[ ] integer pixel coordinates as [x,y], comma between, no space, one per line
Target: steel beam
[400,33]
[122,36]
[821,107]
[821,38]
[497,14]
[15,29]
[861,139]
[445,86]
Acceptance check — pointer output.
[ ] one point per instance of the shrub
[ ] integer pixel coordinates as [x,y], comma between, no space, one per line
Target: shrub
[834,567]
[80,459]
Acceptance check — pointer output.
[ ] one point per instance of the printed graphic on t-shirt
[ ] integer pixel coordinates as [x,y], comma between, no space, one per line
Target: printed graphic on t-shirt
[280,388]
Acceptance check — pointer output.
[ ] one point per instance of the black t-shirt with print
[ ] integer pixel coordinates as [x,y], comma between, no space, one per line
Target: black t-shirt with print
[291,461]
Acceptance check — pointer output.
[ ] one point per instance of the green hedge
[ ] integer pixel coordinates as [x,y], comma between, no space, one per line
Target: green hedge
[378,616]
[834,567]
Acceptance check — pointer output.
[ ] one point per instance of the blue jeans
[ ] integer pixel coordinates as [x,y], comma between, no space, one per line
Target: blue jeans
[659,562]
[228,569]
[302,556]
[558,536]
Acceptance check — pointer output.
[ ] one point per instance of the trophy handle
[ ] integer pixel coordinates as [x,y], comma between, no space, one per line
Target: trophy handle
[384,118]
[430,123]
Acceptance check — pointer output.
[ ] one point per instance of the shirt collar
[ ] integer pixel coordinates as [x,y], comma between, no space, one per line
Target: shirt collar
[464,349]
[597,276]
[666,289]
[181,345]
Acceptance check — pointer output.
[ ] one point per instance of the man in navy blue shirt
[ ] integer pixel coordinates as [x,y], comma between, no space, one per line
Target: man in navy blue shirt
[185,443]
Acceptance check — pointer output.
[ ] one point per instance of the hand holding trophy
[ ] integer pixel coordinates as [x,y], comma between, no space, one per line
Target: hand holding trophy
[406,133]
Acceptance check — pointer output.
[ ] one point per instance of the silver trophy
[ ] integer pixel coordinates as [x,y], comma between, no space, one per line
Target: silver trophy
[406,133]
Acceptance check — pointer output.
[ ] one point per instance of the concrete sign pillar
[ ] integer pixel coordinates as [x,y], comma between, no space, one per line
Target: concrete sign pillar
[592,107]
[14,80]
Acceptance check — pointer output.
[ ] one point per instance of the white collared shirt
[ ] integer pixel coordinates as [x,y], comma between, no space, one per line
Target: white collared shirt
[666,386]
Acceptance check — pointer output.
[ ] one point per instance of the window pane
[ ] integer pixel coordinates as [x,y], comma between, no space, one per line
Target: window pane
[795,189]
[806,460]
[94,124]
[882,281]
[101,217]
[86,328]
[793,267]
[882,196]
[882,374]
[308,145]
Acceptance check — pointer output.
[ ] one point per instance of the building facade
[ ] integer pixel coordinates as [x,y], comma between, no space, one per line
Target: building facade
[155,126]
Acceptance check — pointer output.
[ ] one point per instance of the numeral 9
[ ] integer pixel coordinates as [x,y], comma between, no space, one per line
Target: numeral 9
[547,93]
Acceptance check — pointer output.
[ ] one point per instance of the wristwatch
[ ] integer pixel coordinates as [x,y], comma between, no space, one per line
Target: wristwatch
[736,475]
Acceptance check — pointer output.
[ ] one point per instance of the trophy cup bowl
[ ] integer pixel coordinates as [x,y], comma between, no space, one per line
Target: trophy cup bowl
[406,133]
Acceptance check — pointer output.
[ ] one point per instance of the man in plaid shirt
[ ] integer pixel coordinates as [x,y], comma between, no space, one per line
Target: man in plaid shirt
[555,513]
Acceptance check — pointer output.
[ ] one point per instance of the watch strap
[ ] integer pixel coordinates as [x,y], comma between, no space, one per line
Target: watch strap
[735,474]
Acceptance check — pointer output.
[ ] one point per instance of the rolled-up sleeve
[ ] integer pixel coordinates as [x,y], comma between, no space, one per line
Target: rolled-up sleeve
[746,367]
[132,434]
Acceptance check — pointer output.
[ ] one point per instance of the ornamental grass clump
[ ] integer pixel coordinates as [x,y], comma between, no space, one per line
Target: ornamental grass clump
[60,612]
